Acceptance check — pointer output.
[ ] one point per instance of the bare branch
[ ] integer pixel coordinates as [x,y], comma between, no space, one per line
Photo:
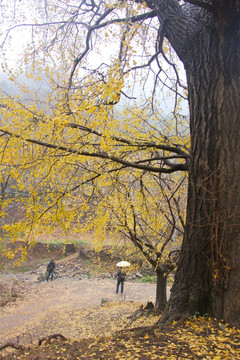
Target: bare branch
[88,37]
[99,25]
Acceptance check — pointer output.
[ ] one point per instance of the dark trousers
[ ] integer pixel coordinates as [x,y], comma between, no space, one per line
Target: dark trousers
[118,283]
[49,275]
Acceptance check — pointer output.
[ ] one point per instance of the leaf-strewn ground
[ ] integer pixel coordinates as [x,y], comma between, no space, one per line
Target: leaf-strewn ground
[195,339]
[82,318]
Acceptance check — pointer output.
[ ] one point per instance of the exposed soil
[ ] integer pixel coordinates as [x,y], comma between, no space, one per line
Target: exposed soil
[76,303]
[52,307]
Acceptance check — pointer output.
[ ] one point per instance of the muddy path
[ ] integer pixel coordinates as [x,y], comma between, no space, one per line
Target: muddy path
[69,306]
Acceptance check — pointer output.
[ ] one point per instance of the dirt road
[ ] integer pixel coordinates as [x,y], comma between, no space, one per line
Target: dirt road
[63,306]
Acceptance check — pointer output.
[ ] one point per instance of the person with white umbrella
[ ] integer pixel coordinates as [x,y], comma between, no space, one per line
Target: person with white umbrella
[121,275]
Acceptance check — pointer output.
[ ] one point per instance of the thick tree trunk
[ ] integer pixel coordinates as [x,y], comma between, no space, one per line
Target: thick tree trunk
[207,279]
[161,291]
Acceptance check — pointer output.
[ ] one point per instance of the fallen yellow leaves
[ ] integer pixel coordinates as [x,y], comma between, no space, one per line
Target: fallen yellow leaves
[97,337]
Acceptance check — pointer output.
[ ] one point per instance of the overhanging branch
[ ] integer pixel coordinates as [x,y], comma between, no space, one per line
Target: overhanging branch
[102,155]
[137,143]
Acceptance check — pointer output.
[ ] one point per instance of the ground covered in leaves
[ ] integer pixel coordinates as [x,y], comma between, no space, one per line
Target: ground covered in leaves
[77,325]
[200,338]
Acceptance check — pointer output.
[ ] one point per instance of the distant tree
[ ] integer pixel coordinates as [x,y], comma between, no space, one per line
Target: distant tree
[154,223]
[147,210]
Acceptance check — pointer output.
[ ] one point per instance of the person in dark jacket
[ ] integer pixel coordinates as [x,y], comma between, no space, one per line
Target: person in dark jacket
[51,266]
[121,275]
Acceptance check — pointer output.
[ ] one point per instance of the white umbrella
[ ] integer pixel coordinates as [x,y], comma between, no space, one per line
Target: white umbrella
[123,264]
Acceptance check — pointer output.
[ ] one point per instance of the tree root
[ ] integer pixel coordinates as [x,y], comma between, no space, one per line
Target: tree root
[142,311]
[12,345]
[40,341]
[48,340]
[178,318]
[136,331]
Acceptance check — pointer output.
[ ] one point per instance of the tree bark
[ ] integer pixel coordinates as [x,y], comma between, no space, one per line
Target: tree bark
[161,290]
[207,279]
